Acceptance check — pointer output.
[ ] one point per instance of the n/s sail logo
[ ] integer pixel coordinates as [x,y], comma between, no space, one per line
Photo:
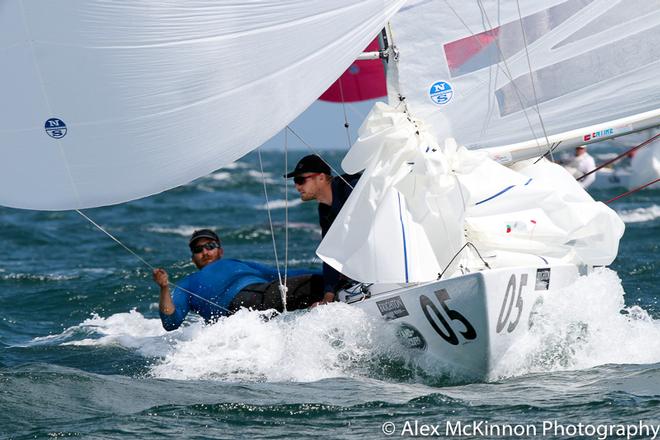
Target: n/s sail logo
[441,92]
[55,128]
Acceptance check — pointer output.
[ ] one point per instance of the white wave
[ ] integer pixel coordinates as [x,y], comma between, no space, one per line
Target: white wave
[183,230]
[37,277]
[234,166]
[131,330]
[304,346]
[585,325]
[268,177]
[639,215]
[221,175]
[279,204]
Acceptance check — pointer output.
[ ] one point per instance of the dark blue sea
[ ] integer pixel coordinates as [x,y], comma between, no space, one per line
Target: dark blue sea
[83,353]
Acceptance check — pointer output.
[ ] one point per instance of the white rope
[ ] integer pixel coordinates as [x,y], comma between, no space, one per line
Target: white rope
[317,153]
[146,263]
[270,220]
[505,70]
[343,106]
[531,77]
[284,288]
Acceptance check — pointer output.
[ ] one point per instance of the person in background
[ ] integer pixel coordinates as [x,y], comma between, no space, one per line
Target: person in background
[314,181]
[223,286]
[581,164]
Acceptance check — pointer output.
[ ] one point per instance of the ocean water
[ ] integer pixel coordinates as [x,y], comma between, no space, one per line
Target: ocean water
[83,354]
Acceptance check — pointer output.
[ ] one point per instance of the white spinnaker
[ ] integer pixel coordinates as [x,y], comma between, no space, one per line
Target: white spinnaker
[104,102]
[591,61]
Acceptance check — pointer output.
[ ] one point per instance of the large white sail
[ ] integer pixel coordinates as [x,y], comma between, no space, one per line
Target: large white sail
[492,73]
[104,102]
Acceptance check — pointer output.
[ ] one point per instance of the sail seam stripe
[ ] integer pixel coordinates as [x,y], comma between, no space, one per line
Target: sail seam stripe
[403,233]
[496,195]
[319,17]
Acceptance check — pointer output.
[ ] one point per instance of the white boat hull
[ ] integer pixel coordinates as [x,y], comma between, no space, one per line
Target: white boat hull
[468,323]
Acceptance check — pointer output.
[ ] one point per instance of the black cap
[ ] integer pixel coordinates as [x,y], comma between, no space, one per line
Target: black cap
[203,233]
[310,164]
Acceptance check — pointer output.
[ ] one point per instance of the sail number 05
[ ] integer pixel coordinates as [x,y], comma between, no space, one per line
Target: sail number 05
[512,299]
[447,332]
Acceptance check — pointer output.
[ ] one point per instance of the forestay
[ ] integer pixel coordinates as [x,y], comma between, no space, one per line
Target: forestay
[104,102]
[492,73]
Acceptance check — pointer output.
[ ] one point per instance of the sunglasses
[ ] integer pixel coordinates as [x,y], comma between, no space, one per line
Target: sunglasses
[208,246]
[299,180]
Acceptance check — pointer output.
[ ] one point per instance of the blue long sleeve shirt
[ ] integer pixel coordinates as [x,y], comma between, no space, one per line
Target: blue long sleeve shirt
[217,283]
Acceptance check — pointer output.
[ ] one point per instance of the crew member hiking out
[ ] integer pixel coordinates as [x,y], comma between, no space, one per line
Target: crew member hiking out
[223,286]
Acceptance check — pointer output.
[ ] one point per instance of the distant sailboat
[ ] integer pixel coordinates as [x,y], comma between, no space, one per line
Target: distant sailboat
[108,102]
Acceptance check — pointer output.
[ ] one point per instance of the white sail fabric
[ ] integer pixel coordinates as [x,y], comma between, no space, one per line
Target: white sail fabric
[104,102]
[546,213]
[416,204]
[465,68]
[404,220]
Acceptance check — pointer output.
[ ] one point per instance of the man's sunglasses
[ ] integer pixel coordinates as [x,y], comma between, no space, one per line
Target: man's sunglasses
[299,180]
[208,246]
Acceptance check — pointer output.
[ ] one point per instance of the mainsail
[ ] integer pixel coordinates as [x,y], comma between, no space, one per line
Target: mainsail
[104,102]
[483,74]
[492,73]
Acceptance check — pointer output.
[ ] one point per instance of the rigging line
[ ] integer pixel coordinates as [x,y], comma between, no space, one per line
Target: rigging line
[343,106]
[531,77]
[146,263]
[270,219]
[634,190]
[554,147]
[506,70]
[317,153]
[286,215]
[467,243]
[491,83]
[643,144]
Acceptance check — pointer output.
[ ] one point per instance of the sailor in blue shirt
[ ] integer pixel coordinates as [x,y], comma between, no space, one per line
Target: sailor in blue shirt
[222,286]
[313,179]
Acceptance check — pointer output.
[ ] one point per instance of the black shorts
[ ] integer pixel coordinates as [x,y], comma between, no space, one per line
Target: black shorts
[303,291]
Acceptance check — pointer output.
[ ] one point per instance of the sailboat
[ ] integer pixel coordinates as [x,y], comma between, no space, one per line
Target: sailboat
[458,228]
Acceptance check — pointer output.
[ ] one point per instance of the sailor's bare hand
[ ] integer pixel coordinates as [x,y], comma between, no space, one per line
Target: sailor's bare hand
[160,277]
[327,299]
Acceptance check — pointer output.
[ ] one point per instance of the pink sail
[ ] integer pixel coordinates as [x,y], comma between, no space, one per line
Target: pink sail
[363,80]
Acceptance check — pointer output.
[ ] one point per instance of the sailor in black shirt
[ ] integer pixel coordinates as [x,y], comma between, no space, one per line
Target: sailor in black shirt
[314,181]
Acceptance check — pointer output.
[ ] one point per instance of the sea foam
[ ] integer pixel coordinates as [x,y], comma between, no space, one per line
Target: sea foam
[582,326]
[579,327]
[639,215]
